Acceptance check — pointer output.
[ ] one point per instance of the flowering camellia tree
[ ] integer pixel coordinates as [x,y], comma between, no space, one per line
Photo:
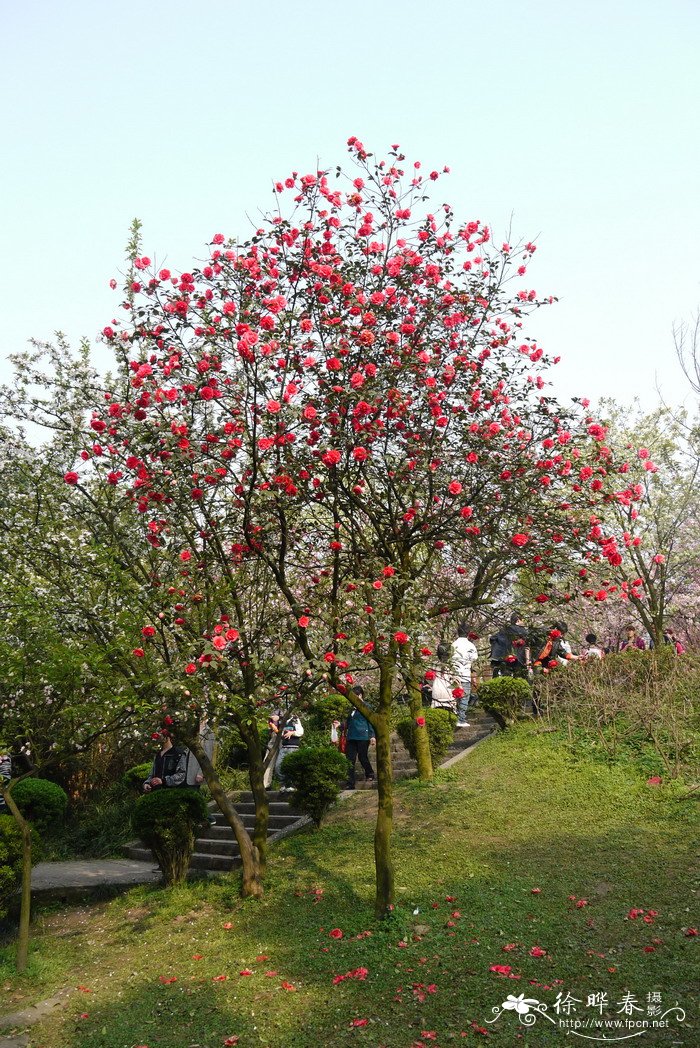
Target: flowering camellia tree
[314,425]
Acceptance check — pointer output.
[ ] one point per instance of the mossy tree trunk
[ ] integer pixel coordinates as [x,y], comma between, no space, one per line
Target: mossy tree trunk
[256,772]
[384,866]
[412,678]
[26,903]
[251,884]
[173,855]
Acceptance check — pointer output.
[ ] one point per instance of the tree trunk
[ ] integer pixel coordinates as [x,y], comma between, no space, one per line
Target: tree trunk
[384,867]
[420,732]
[251,884]
[26,904]
[251,737]
[174,859]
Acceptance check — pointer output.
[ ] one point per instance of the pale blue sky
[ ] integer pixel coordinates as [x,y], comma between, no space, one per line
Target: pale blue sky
[579,119]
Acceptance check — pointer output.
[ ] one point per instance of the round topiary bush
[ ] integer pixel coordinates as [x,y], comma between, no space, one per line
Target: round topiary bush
[168,821]
[316,773]
[134,778]
[10,860]
[440,725]
[329,708]
[504,698]
[41,802]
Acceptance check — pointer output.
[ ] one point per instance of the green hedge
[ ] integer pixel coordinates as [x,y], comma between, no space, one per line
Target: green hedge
[316,773]
[41,802]
[10,860]
[134,778]
[440,725]
[504,698]
[167,821]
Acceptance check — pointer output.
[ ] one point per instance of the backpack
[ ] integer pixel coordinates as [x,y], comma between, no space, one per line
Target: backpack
[441,693]
[501,646]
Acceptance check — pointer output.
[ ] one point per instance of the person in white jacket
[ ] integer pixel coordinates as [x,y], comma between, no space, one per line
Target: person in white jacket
[291,737]
[464,655]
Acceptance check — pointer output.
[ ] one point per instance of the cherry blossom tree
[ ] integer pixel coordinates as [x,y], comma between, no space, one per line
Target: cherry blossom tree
[348,401]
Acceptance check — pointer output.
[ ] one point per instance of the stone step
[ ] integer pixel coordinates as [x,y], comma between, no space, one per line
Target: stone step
[246,797]
[222,863]
[248,808]
[207,846]
[275,822]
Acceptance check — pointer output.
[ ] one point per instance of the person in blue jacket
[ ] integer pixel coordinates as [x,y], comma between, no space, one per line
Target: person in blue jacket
[359,735]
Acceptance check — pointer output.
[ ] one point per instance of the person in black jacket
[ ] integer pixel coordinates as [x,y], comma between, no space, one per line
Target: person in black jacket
[169,768]
[510,650]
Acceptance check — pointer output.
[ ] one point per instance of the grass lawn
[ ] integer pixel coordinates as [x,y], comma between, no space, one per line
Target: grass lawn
[520,846]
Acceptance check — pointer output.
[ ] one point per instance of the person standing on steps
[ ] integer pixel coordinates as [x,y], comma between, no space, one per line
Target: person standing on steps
[464,655]
[444,682]
[292,733]
[510,649]
[359,734]
[169,768]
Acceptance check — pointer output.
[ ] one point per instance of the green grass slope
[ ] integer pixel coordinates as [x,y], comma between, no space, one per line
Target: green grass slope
[522,856]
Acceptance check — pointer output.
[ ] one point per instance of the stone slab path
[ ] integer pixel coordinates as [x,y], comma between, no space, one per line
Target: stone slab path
[73,878]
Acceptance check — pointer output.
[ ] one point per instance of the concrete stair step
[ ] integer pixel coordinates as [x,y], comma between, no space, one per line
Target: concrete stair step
[248,808]
[223,863]
[216,847]
[246,797]
[276,822]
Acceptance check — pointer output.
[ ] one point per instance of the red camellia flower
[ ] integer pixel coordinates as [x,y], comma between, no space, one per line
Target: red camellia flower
[401,638]
[138,652]
[520,539]
[330,458]
[273,406]
[303,621]
[71,477]
[190,668]
[219,643]
[231,635]
[655,780]
[454,487]
[537,951]
[148,631]
[420,721]
[335,933]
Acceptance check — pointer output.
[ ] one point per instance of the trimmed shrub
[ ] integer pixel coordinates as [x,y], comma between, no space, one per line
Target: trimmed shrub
[440,725]
[10,860]
[168,821]
[326,709]
[316,773]
[135,777]
[41,802]
[504,698]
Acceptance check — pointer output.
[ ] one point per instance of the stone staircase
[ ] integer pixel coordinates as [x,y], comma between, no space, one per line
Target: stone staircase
[216,849]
